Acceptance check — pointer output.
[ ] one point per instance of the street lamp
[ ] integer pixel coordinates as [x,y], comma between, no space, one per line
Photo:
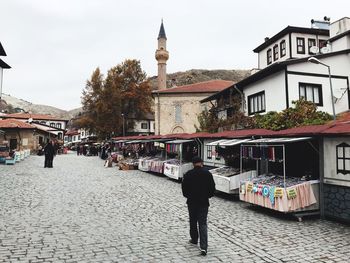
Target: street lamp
[316,61]
[123,116]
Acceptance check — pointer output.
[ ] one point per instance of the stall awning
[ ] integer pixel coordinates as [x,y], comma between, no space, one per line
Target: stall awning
[135,141]
[230,142]
[279,140]
[179,141]
[118,141]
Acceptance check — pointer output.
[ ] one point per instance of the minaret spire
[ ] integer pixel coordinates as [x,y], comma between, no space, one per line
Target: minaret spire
[162,55]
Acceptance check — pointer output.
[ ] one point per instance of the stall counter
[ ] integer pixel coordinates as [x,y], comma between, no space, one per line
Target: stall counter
[230,183]
[176,171]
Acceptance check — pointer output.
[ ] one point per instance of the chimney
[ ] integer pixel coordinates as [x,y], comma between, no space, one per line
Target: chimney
[266,39]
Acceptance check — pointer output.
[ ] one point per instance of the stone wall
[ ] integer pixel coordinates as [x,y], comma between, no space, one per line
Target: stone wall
[337,202]
[190,108]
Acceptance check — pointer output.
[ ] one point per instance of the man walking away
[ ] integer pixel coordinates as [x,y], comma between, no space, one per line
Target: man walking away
[198,186]
[49,151]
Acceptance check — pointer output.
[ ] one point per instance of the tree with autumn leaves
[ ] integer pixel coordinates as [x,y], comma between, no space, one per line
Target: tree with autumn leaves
[125,90]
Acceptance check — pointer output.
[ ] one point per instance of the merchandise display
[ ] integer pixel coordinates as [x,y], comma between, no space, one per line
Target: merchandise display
[295,197]
[271,153]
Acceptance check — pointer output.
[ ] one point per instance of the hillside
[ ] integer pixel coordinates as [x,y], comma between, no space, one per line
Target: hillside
[174,79]
[199,75]
[38,108]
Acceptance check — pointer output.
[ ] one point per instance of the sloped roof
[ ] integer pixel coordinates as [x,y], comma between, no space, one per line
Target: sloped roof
[273,68]
[291,29]
[2,50]
[72,132]
[33,116]
[3,64]
[210,86]
[13,123]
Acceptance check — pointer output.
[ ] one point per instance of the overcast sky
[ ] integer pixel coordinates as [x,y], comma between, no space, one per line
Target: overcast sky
[54,45]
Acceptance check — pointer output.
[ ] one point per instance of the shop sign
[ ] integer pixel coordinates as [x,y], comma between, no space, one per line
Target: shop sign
[156,143]
[291,193]
[279,192]
[249,187]
[265,191]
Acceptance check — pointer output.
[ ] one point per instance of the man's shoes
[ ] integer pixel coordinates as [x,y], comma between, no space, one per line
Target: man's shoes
[193,242]
[203,252]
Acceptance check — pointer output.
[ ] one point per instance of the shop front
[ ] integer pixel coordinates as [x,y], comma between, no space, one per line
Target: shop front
[287,175]
[181,152]
[225,154]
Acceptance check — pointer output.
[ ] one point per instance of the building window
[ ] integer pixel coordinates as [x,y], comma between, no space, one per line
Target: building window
[178,114]
[311,42]
[275,52]
[343,158]
[78,137]
[269,56]
[73,138]
[82,134]
[283,48]
[300,45]
[217,157]
[322,43]
[52,124]
[209,152]
[43,122]
[59,125]
[144,125]
[256,103]
[311,92]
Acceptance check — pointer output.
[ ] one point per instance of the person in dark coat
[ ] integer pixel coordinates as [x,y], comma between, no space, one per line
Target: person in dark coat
[198,186]
[49,152]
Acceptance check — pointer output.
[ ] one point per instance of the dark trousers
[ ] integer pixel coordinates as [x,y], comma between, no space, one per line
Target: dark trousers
[198,219]
[48,160]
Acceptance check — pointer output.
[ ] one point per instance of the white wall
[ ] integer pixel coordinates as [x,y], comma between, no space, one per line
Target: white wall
[262,56]
[275,95]
[340,65]
[138,126]
[306,37]
[330,167]
[341,44]
[263,53]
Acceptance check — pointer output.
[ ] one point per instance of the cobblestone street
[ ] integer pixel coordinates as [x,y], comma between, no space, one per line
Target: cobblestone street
[80,211]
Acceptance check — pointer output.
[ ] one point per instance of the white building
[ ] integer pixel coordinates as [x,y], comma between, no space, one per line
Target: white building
[47,122]
[288,76]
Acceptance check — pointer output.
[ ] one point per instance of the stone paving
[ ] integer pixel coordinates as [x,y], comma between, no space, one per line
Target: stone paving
[80,211]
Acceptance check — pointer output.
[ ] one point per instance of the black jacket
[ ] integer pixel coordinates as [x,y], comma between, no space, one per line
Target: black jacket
[198,186]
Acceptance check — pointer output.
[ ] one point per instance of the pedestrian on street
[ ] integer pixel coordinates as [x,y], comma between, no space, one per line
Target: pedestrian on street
[198,186]
[49,151]
[78,149]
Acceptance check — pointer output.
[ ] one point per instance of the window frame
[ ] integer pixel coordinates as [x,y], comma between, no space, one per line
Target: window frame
[314,85]
[322,41]
[142,125]
[302,46]
[283,48]
[269,56]
[258,94]
[275,52]
[209,152]
[178,113]
[309,46]
[343,159]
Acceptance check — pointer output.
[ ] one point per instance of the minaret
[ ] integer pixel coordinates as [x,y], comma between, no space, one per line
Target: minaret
[162,55]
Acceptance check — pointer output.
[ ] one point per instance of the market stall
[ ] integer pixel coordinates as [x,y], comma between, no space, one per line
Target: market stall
[181,152]
[153,156]
[227,177]
[288,179]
